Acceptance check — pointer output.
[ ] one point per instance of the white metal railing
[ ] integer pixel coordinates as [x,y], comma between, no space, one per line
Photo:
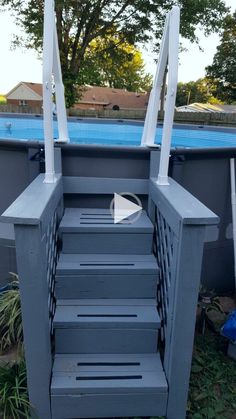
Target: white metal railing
[169,53]
[52,68]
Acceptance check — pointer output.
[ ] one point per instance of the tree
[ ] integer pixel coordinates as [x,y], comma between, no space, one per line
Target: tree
[109,61]
[201,91]
[223,69]
[79,22]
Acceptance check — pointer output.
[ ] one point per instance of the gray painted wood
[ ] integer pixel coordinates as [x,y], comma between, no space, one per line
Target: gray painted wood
[115,315]
[107,382]
[29,207]
[107,406]
[58,162]
[180,204]
[181,223]
[33,214]
[71,264]
[154,163]
[31,264]
[105,341]
[181,319]
[94,231]
[106,276]
[100,362]
[101,185]
[106,286]
[112,243]
[7,235]
[111,302]
[90,220]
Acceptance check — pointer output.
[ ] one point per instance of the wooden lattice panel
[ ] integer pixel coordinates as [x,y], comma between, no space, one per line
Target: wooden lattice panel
[164,248]
[52,258]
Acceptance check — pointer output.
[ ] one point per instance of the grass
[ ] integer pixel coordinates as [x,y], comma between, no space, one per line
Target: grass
[213,380]
[212,393]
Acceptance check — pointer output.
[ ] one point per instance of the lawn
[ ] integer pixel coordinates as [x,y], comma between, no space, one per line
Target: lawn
[213,380]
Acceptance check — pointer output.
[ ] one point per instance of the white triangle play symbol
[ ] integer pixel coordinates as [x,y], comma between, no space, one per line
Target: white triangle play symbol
[123,208]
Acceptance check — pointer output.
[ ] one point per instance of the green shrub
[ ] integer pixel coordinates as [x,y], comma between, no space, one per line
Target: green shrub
[14,402]
[11,329]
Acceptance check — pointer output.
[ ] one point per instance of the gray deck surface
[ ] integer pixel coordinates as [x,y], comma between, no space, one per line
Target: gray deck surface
[148,376]
[100,220]
[106,316]
[106,263]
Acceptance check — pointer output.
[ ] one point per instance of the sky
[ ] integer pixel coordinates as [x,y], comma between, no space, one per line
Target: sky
[20,65]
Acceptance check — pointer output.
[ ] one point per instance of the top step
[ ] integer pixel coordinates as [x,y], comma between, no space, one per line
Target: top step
[82,220]
[93,231]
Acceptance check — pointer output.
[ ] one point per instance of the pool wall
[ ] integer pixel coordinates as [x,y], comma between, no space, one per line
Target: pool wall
[204,173]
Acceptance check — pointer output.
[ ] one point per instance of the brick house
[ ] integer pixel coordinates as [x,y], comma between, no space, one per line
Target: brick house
[26,95]
[29,95]
[97,98]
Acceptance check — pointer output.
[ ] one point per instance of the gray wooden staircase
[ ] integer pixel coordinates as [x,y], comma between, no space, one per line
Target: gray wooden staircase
[97,304]
[106,321]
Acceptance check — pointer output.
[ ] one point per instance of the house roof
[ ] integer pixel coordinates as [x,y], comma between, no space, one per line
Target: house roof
[106,96]
[110,97]
[35,87]
[207,107]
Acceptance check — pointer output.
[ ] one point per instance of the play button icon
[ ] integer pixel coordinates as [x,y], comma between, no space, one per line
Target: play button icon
[123,208]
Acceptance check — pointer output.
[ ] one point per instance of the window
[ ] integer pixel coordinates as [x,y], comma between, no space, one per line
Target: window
[23,102]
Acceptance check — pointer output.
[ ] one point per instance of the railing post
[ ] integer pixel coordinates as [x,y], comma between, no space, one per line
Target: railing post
[32,270]
[171,95]
[59,88]
[48,35]
[149,130]
[181,319]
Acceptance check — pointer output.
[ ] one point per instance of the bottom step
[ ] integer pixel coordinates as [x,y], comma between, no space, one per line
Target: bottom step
[100,386]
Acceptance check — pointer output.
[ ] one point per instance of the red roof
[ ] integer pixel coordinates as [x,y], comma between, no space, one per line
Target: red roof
[110,97]
[36,87]
[106,96]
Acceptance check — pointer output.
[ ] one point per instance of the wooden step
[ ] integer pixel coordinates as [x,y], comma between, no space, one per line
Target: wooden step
[106,276]
[106,326]
[108,385]
[94,231]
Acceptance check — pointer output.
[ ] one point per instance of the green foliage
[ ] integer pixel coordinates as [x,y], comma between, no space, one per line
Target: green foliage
[2,99]
[79,22]
[14,402]
[213,380]
[11,329]
[201,91]
[223,69]
[112,62]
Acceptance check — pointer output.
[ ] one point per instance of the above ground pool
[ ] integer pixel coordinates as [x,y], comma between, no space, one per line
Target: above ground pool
[115,132]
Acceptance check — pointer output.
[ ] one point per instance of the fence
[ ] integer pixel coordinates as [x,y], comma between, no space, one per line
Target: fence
[198,118]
